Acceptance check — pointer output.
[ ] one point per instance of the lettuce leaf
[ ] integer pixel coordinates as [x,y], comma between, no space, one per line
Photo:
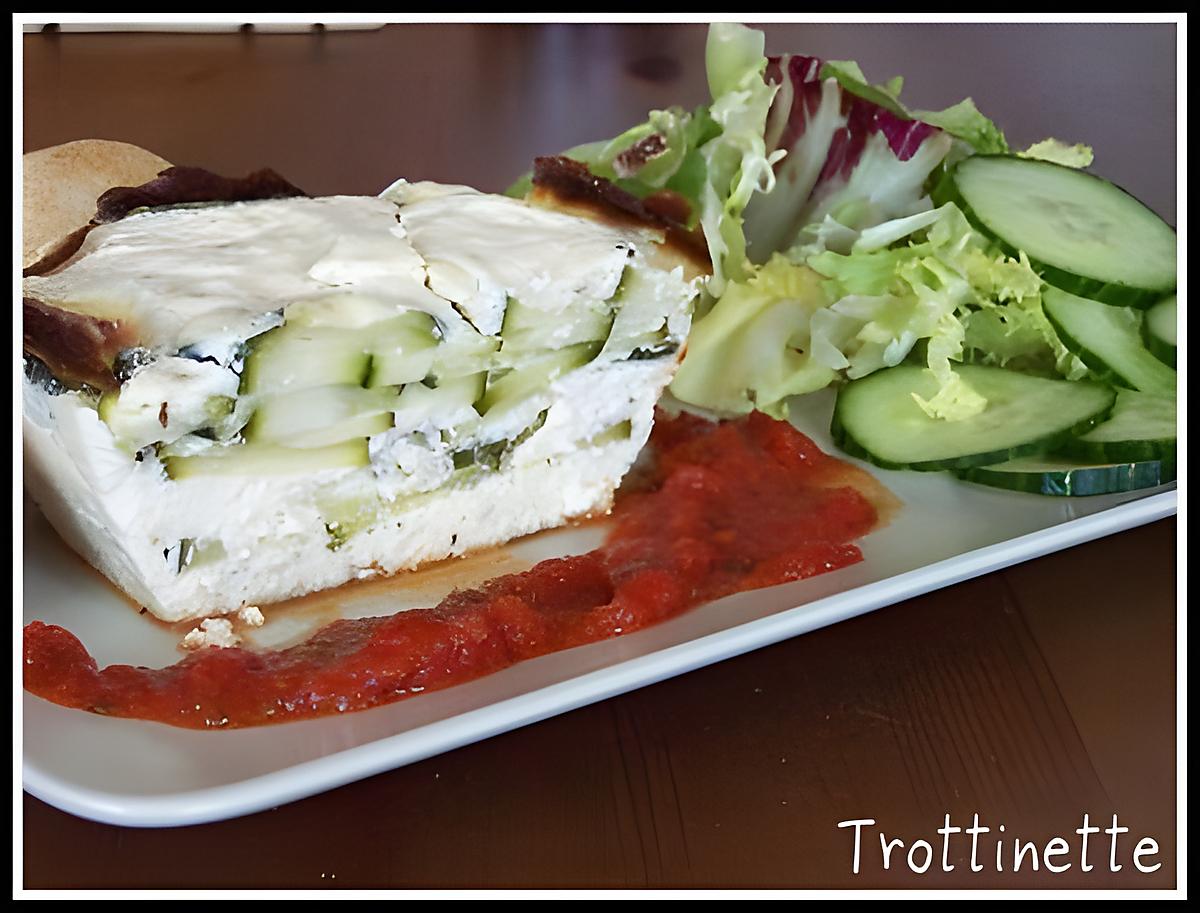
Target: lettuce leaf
[736,160]
[661,153]
[714,157]
[926,286]
[829,260]
[1053,150]
[853,157]
[752,350]
[963,120]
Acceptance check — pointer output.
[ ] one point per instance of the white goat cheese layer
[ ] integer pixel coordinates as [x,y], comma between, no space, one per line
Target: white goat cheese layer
[199,283]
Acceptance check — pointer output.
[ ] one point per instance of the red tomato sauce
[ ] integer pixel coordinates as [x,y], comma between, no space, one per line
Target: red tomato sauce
[725,508]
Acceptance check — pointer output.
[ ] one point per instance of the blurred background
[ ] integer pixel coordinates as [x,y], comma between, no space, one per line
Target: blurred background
[349,111]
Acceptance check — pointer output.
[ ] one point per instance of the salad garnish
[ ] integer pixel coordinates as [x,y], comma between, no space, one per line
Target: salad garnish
[851,234]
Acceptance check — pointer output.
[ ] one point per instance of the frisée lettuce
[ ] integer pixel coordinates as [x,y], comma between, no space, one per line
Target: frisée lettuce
[812,187]
[900,279]
[714,157]
[796,327]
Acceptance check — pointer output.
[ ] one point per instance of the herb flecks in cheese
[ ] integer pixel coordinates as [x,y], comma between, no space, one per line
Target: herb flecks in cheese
[348,386]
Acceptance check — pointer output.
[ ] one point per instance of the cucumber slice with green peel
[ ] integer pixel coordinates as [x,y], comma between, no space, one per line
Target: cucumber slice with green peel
[402,350]
[268,460]
[1160,330]
[516,386]
[1108,340]
[878,419]
[1141,427]
[295,357]
[307,352]
[450,402]
[1048,476]
[1082,233]
[527,330]
[321,416]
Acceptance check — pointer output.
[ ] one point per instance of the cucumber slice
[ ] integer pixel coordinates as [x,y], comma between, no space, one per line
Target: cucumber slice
[268,460]
[622,431]
[1062,478]
[528,329]
[1141,427]
[402,350]
[308,351]
[347,514]
[1160,330]
[297,357]
[136,423]
[1107,339]
[449,403]
[877,418]
[517,385]
[643,306]
[463,354]
[1082,233]
[347,310]
[321,416]
[490,456]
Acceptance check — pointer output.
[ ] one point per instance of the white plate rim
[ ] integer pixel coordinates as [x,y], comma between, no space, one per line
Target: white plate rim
[308,778]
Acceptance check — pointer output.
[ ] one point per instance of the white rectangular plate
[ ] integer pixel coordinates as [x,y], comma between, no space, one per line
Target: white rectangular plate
[147,774]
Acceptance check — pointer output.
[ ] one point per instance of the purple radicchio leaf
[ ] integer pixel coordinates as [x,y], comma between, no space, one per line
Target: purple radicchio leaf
[847,157]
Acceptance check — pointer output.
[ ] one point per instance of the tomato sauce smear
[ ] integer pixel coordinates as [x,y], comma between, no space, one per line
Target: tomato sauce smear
[724,507]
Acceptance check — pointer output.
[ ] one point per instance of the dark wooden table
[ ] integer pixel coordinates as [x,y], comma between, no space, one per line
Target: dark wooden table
[1029,696]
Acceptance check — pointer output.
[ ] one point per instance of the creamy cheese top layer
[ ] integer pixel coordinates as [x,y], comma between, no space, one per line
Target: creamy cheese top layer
[211,274]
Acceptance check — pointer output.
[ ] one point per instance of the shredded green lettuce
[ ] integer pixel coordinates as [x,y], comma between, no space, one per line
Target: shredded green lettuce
[1053,150]
[880,277]
[736,160]
[926,286]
